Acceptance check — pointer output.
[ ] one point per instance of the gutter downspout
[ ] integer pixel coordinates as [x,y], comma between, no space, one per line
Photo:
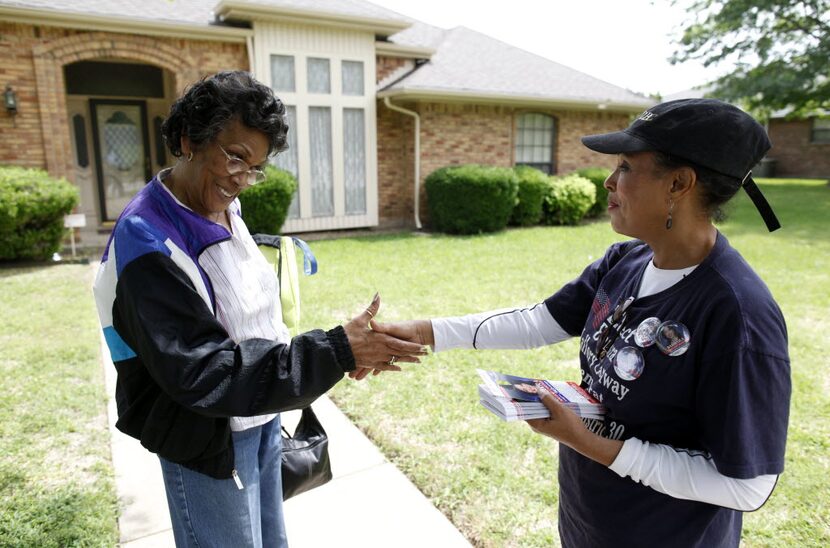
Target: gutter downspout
[417,155]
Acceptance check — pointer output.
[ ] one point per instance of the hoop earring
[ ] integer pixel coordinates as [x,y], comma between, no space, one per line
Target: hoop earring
[669,219]
[190,156]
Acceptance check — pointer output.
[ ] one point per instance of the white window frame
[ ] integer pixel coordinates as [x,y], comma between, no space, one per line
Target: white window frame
[318,46]
[820,131]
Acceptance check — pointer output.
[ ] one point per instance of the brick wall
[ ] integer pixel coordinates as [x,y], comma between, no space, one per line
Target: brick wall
[384,66]
[32,60]
[22,136]
[794,154]
[454,134]
[395,167]
[572,126]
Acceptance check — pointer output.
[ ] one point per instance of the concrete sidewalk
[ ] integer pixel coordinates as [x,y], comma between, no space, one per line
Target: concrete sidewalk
[369,502]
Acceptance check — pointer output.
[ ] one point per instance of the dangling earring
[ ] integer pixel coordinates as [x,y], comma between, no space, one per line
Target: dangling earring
[669,221]
[190,156]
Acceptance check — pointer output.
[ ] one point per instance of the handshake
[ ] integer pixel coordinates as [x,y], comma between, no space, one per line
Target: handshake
[379,347]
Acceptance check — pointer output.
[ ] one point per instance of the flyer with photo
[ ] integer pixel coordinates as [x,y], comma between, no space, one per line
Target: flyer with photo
[517,398]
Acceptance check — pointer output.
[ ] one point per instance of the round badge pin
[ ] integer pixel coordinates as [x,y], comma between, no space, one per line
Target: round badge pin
[629,363]
[672,338]
[646,332]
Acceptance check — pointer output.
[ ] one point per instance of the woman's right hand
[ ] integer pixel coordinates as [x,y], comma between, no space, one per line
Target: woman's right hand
[417,331]
[376,349]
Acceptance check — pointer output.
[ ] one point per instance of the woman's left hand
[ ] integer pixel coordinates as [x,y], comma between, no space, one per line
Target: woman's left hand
[566,427]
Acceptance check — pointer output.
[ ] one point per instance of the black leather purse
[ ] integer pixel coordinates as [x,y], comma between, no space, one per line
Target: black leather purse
[305,456]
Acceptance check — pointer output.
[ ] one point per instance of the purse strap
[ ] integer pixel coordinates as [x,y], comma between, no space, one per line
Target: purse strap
[279,251]
[308,421]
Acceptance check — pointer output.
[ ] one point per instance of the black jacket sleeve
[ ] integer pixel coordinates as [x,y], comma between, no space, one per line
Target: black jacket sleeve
[161,316]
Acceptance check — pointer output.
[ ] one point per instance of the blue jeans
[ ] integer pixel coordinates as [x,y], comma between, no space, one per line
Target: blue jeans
[208,512]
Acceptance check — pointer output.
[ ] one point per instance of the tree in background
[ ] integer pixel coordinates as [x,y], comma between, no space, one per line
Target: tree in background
[781,47]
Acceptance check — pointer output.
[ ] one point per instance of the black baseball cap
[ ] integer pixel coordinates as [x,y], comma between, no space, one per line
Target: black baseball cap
[706,132]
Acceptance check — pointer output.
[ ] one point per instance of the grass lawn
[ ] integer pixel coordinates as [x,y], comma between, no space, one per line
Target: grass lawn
[56,486]
[497,481]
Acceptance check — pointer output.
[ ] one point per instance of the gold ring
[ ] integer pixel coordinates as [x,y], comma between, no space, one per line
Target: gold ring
[370,313]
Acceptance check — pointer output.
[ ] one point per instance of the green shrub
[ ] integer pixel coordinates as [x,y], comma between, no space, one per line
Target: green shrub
[568,199]
[32,206]
[597,175]
[532,186]
[470,199]
[265,205]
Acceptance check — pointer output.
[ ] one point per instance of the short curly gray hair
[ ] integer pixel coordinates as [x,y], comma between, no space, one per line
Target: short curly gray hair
[208,105]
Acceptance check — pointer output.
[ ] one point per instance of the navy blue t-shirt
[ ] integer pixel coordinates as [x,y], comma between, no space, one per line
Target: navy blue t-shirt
[728,395]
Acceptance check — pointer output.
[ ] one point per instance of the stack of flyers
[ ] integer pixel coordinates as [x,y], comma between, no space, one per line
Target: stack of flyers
[516,398]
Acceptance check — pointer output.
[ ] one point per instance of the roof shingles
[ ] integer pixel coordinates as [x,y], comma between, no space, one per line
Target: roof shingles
[469,62]
[194,12]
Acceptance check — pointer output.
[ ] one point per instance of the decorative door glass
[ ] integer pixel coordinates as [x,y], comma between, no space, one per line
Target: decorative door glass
[121,153]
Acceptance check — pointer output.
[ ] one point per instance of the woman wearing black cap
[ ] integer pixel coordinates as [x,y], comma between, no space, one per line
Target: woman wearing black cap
[679,338]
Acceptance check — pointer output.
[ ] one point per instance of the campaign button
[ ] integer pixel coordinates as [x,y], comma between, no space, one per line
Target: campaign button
[646,332]
[629,363]
[673,338]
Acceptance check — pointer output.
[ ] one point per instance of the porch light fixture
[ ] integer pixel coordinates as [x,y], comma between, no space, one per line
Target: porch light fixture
[10,100]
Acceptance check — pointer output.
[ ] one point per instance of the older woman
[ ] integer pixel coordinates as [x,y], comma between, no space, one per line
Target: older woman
[679,339]
[191,314]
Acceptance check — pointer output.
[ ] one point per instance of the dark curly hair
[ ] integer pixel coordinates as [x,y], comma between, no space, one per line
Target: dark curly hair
[208,105]
[717,187]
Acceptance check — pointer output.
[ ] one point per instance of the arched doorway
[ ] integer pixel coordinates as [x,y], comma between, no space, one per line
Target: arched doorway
[115,109]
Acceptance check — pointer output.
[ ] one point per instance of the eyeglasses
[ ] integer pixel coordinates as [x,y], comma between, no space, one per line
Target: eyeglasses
[615,321]
[236,166]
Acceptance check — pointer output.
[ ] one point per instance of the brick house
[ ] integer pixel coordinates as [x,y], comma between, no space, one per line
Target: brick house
[800,146]
[376,100]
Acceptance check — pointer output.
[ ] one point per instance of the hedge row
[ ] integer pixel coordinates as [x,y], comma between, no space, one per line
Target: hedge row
[32,207]
[471,198]
[464,199]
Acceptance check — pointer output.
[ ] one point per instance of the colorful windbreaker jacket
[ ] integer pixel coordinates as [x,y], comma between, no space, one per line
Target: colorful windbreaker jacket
[180,376]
